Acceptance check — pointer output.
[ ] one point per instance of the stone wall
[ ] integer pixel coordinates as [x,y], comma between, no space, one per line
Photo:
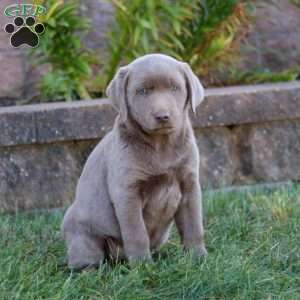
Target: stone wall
[246,135]
[273,44]
[12,64]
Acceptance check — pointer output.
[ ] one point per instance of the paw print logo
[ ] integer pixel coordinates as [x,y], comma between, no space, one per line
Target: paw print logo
[24,33]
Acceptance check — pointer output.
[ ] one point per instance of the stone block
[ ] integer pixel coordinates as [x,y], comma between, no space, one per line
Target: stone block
[267,152]
[69,124]
[277,16]
[12,77]
[101,13]
[4,37]
[53,122]
[17,128]
[40,176]
[275,151]
[217,157]
[248,104]
[281,50]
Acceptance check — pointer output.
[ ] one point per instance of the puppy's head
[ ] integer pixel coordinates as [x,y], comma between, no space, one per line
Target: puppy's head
[155,91]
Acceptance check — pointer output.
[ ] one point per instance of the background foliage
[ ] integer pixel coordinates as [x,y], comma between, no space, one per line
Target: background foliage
[61,47]
[207,34]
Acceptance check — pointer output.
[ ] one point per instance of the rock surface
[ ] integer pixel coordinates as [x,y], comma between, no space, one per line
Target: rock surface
[40,176]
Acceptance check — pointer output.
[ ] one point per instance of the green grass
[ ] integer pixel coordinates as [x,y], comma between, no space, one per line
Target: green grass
[253,241]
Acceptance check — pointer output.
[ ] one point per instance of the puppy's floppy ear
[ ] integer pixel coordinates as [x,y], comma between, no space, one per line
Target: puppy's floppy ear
[117,91]
[194,87]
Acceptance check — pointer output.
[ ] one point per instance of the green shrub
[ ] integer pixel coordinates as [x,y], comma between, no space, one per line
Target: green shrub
[206,34]
[61,47]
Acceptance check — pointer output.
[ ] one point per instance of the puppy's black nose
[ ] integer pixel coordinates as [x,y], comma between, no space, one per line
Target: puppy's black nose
[162,117]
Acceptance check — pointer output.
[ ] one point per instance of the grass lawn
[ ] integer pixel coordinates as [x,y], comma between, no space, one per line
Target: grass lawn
[253,239]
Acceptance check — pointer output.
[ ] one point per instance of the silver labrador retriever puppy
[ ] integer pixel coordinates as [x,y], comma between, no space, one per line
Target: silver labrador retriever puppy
[145,173]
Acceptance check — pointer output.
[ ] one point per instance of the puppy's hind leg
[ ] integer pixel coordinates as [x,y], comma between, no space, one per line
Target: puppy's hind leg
[85,251]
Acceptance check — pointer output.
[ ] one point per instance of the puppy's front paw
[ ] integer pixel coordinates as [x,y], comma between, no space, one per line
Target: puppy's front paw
[136,260]
[198,251]
[201,251]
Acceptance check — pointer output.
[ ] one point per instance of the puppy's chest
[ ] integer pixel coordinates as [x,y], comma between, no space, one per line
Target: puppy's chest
[161,196]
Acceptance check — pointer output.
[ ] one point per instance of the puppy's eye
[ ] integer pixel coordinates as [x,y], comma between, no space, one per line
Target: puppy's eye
[144,91]
[174,88]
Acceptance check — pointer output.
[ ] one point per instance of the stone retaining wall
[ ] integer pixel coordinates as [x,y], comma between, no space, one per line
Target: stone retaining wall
[246,135]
